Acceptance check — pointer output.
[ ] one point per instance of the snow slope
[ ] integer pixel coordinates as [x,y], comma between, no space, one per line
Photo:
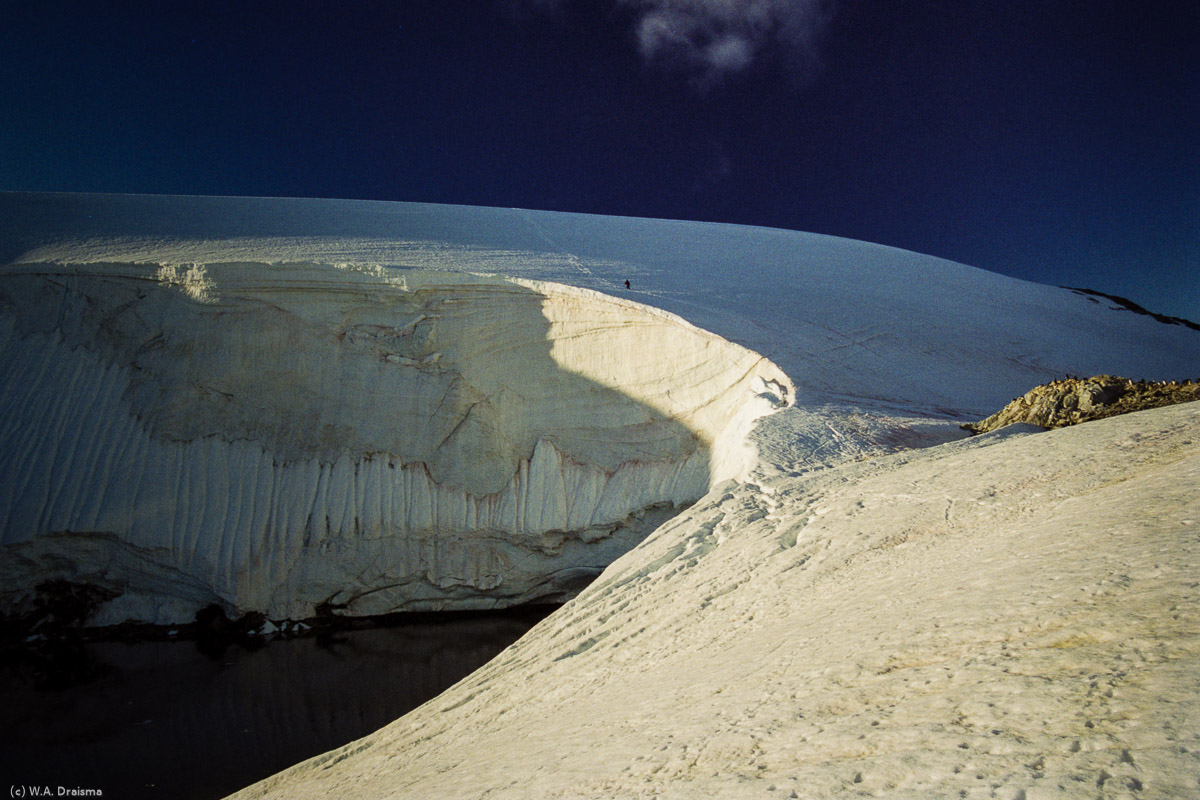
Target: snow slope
[1009,616]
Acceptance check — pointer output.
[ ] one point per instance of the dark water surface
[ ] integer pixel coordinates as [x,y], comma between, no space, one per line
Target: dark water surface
[164,720]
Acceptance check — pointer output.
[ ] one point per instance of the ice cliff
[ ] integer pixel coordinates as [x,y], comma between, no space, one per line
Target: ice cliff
[276,404]
[275,437]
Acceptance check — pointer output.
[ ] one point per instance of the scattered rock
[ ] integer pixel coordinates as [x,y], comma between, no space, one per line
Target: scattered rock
[215,632]
[1074,400]
[54,606]
[1125,304]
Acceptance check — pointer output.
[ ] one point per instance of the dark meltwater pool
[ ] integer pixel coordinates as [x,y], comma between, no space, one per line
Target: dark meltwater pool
[165,720]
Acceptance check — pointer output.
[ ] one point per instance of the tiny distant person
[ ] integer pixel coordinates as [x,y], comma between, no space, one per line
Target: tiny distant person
[626,283]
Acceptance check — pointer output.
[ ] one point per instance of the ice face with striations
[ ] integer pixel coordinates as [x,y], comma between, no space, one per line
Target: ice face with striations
[198,404]
[273,437]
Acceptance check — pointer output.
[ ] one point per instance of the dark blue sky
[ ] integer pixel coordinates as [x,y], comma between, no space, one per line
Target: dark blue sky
[1052,140]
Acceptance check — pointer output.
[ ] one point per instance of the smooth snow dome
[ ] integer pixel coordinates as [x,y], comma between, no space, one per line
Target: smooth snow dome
[845,320]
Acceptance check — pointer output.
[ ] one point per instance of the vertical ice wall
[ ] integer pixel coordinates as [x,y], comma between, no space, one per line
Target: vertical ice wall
[274,437]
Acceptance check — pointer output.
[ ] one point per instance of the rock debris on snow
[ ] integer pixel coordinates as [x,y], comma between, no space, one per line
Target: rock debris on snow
[1074,400]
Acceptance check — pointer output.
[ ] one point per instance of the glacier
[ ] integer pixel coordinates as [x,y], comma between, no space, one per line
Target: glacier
[813,583]
[290,405]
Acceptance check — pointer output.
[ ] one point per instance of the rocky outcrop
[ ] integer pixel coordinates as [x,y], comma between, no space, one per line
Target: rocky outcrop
[1074,400]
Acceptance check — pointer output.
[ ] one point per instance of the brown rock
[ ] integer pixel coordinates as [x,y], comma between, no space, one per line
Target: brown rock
[1074,400]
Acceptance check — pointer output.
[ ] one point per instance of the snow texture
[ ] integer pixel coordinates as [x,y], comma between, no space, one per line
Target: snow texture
[1014,615]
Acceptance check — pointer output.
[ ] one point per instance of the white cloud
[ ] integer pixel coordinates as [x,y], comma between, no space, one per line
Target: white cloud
[718,38]
[723,37]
